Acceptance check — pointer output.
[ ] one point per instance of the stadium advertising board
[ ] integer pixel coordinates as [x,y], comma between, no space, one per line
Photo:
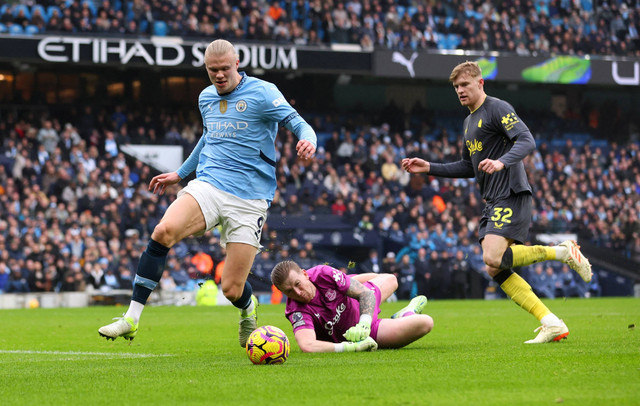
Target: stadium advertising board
[167,52]
[171,52]
[565,69]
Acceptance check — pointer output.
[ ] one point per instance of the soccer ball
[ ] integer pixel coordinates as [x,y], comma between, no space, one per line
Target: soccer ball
[268,345]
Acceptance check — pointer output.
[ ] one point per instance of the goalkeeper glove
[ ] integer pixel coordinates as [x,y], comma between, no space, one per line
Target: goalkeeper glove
[360,331]
[368,344]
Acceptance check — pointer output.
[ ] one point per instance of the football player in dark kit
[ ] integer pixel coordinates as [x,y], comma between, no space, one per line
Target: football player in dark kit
[495,143]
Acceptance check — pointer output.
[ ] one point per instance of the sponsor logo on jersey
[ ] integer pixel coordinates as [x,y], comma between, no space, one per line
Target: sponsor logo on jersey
[241,106]
[278,101]
[297,320]
[480,123]
[225,129]
[338,276]
[474,146]
[509,121]
[329,325]
[223,106]
[498,225]
[330,295]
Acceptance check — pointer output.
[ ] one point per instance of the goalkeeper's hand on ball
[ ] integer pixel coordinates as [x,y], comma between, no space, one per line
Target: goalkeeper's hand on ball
[360,331]
[368,344]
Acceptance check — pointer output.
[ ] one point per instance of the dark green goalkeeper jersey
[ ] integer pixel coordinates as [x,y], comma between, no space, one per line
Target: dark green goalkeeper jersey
[492,131]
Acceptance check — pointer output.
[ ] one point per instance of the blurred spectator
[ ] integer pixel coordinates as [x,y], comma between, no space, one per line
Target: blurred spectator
[167,283]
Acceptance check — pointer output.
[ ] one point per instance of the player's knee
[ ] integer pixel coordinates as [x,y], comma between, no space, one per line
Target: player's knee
[164,234]
[427,324]
[232,292]
[492,259]
[393,282]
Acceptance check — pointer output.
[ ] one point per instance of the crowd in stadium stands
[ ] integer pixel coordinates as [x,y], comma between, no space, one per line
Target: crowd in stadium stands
[520,26]
[76,213]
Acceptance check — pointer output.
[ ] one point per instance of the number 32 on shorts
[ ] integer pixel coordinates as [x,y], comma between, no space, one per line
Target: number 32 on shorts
[501,215]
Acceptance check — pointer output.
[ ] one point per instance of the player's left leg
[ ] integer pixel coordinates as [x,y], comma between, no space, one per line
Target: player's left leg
[237,289]
[567,252]
[403,331]
[552,329]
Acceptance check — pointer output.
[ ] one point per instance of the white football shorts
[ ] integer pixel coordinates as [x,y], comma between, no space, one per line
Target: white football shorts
[241,219]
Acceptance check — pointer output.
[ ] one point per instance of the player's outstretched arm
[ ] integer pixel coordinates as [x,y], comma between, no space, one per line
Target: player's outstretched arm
[307,341]
[159,183]
[415,165]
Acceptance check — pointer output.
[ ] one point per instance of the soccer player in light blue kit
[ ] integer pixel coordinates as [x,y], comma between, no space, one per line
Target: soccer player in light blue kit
[235,183]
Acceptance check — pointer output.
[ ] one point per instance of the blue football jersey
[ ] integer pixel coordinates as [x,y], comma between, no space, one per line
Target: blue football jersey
[236,152]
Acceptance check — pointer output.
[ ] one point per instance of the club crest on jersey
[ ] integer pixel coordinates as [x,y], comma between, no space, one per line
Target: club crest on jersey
[223,106]
[330,295]
[241,106]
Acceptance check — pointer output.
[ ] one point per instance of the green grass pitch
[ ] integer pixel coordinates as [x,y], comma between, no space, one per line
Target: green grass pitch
[190,355]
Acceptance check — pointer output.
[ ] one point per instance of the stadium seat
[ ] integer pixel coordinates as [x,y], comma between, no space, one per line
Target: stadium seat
[18,7]
[412,10]
[50,11]
[160,28]
[3,28]
[15,29]
[92,7]
[3,8]
[43,12]
[144,26]
[31,29]
[401,10]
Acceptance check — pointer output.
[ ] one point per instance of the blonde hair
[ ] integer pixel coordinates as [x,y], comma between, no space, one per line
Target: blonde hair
[281,271]
[469,67]
[221,47]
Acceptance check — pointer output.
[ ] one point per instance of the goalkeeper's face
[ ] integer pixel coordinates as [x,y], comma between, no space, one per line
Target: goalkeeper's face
[298,287]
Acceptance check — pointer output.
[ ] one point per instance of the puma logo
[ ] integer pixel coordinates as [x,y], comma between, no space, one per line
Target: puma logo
[397,57]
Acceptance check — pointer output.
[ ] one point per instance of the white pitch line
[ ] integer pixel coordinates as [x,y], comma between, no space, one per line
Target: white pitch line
[86,353]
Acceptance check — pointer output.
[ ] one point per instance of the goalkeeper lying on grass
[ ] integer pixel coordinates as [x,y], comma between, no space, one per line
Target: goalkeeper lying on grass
[331,311]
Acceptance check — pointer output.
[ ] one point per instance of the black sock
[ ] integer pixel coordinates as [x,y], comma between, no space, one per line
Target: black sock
[149,271]
[245,299]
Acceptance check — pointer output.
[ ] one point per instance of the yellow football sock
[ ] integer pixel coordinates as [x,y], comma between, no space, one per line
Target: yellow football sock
[520,292]
[526,255]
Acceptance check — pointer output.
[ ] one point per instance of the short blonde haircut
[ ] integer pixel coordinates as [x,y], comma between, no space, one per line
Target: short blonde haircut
[281,271]
[221,47]
[469,67]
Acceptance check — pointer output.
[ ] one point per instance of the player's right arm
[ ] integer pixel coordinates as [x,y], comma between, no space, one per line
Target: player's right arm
[307,341]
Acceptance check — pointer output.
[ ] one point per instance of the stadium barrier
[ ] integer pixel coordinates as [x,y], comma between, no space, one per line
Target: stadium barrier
[49,300]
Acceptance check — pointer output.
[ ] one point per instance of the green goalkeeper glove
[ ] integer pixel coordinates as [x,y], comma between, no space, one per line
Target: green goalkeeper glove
[360,331]
[368,344]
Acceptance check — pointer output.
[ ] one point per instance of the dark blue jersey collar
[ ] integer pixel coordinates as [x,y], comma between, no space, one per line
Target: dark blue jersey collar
[240,84]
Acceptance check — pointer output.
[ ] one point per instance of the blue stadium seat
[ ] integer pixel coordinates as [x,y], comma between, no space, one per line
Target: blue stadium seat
[92,7]
[50,11]
[3,8]
[43,12]
[23,7]
[16,29]
[31,29]
[144,26]
[117,5]
[401,10]
[3,28]
[160,28]
[412,10]
[448,21]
